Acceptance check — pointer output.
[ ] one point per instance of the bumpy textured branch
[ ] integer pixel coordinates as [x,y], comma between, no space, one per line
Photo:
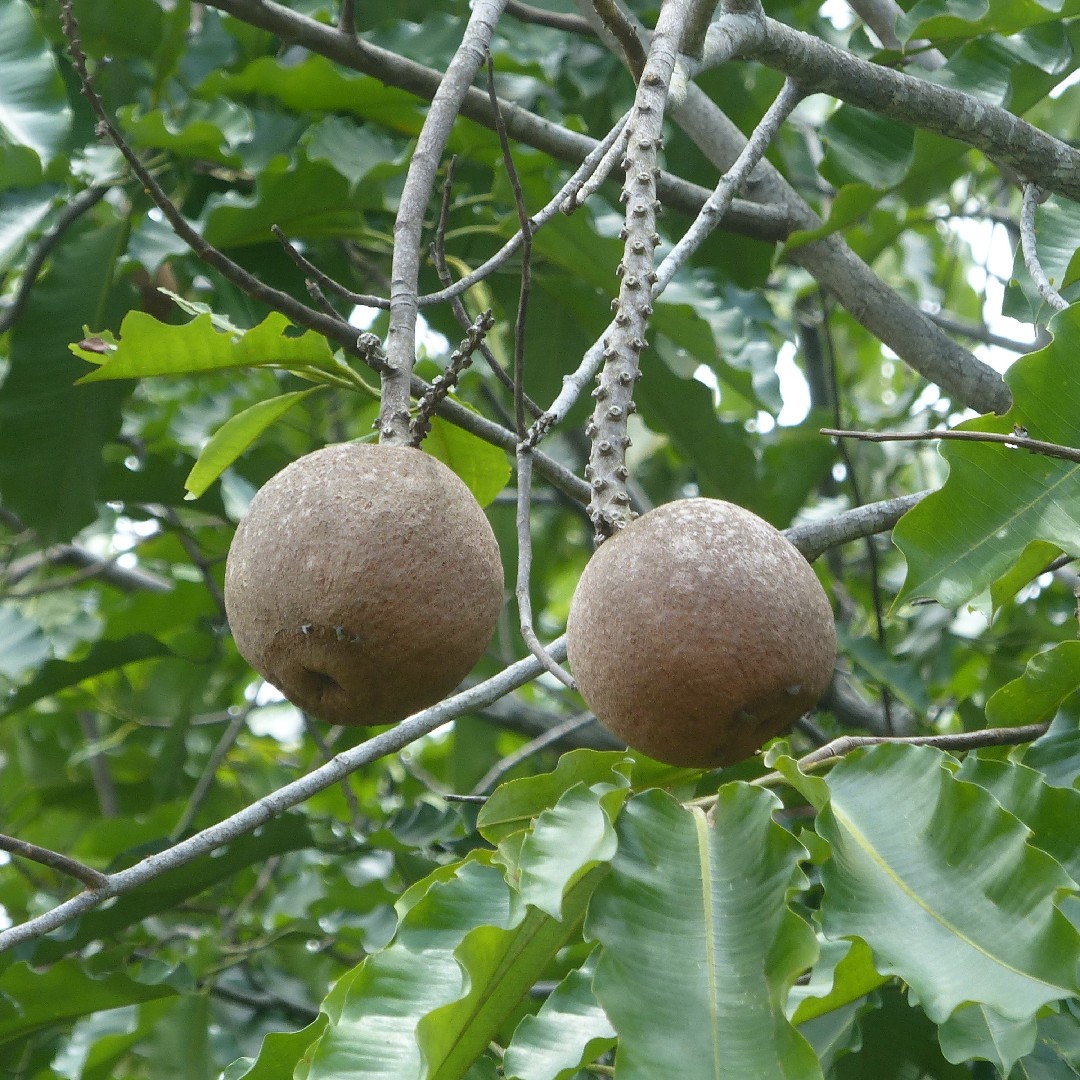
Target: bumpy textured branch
[415,195]
[609,507]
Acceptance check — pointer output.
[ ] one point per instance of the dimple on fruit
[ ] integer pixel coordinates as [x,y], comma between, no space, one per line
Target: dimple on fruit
[698,632]
[364,582]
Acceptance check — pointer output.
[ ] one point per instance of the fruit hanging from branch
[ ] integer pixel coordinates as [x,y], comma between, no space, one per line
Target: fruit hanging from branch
[698,632]
[364,583]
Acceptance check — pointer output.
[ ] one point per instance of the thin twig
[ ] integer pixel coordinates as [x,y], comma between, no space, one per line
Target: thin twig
[442,268]
[524,569]
[703,225]
[209,773]
[323,280]
[624,33]
[91,878]
[1033,195]
[347,18]
[966,740]
[1014,440]
[314,732]
[593,162]
[104,788]
[74,208]
[534,746]
[572,24]
[441,385]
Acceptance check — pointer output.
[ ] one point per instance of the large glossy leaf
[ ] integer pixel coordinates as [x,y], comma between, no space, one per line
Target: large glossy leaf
[51,431]
[996,500]
[942,884]
[279,1056]
[1051,813]
[571,1029]
[484,468]
[64,991]
[34,110]
[466,952]
[1049,679]
[699,946]
[974,1031]
[942,20]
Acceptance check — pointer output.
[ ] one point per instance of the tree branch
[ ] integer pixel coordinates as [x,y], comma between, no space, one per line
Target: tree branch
[965,740]
[90,877]
[419,184]
[1012,440]
[998,133]
[277,802]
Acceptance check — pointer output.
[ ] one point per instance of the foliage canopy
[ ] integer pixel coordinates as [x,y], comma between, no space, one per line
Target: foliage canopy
[200,882]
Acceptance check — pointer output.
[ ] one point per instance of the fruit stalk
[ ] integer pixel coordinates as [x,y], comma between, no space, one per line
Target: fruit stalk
[609,504]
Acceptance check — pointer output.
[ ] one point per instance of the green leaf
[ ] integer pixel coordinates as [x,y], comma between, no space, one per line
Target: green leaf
[279,1056]
[484,468]
[944,20]
[570,1030]
[148,347]
[57,675]
[694,923]
[466,952]
[567,840]
[513,805]
[1051,813]
[34,109]
[235,436]
[852,201]
[1049,679]
[996,501]
[844,974]
[1057,1050]
[867,149]
[948,894]
[51,432]
[62,992]
[975,1031]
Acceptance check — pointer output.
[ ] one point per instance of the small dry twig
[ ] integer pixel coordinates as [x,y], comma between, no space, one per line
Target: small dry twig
[1015,440]
[91,878]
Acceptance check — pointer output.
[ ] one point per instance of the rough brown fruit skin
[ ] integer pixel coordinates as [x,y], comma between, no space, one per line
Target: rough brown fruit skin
[698,633]
[364,583]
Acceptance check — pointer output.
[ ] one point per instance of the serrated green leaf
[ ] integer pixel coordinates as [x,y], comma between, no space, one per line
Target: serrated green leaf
[1049,678]
[235,436]
[942,885]
[484,468]
[699,946]
[570,1030]
[147,348]
[996,501]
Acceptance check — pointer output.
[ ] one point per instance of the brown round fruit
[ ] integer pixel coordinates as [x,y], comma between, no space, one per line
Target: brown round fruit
[697,633]
[364,583]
